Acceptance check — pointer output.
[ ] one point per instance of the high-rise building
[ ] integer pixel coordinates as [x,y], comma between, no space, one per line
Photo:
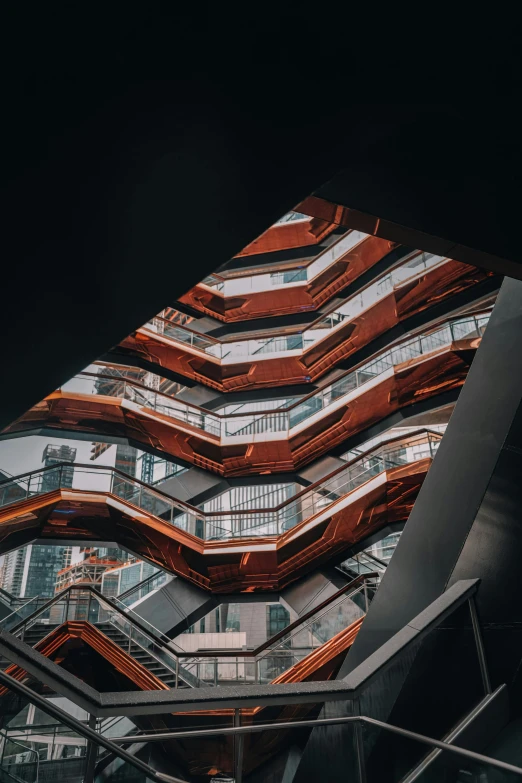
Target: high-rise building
[62,475]
[32,570]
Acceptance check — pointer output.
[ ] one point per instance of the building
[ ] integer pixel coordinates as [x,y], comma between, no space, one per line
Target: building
[273,430]
[32,571]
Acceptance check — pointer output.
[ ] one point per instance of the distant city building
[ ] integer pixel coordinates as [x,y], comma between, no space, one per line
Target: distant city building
[32,570]
[56,455]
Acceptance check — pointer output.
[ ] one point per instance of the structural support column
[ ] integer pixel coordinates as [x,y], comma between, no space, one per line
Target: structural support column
[92,752]
[175,607]
[465,524]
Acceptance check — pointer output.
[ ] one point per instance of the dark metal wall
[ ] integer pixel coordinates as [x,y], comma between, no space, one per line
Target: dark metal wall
[466,523]
[454,490]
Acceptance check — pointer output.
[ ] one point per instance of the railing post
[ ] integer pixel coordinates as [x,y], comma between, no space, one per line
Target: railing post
[176,683]
[359,744]
[215,671]
[238,749]
[365,588]
[479,643]
[92,752]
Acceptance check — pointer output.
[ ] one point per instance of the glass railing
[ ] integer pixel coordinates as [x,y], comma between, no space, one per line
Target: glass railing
[308,503]
[463,328]
[280,419]
[235,351]
[18,757]
[360,735]
[291,217]
[265,281]
[182,334]
[234,524]
[125,621]
[288,276]
[285,653]
[89,383]
[363,563]
[7,598]
[58,746]
[134,594]
[44,743]
[135,633]
[21,612]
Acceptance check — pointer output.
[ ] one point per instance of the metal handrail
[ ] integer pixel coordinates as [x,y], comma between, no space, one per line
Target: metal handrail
[84,731]
[9,597]
[156,635]
[150,632]
[316,391]
[90,589]
[288,266]
[394,345]
[140,585]
[311,621]
[202,514]
[160,702]
[25,748]
[446,603]
[318,722]
[35,598]
[335,307]
[354,585]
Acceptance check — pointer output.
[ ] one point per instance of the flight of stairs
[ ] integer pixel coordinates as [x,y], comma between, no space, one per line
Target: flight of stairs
[32,636]
[139,654]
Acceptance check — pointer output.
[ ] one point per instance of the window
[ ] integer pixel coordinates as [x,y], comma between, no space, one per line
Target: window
[277,619]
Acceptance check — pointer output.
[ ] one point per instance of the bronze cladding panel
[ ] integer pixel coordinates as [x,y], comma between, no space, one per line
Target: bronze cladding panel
[225,568]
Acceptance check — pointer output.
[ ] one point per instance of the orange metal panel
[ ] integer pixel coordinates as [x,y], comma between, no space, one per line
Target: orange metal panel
[285,236]
[220,566]
[283,301]
[99,414]
[56,643]
[433,287]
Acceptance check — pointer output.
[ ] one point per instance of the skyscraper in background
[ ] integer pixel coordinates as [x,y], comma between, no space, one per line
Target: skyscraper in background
[56,455]
[32,570]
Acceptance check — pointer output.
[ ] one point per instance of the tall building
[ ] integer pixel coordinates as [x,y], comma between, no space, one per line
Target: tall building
[32,570]
[300,395]
[62,475]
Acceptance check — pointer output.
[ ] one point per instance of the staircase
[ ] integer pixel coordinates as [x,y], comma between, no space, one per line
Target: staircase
[34,634]
[140,654]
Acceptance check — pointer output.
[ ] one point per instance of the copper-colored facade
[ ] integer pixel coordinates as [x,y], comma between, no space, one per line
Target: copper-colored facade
[213,755]
[232,565]
[286,236]
[432,288]
[295,299]
[409,382]
[56,643]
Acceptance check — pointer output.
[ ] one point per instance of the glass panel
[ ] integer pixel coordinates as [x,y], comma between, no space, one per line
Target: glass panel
[389,757]
[273,420]
[442,684]
[405,272]
[303,640]
[37,747]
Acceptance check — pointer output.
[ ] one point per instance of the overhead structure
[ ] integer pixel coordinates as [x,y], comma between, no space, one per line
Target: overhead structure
[295,401]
